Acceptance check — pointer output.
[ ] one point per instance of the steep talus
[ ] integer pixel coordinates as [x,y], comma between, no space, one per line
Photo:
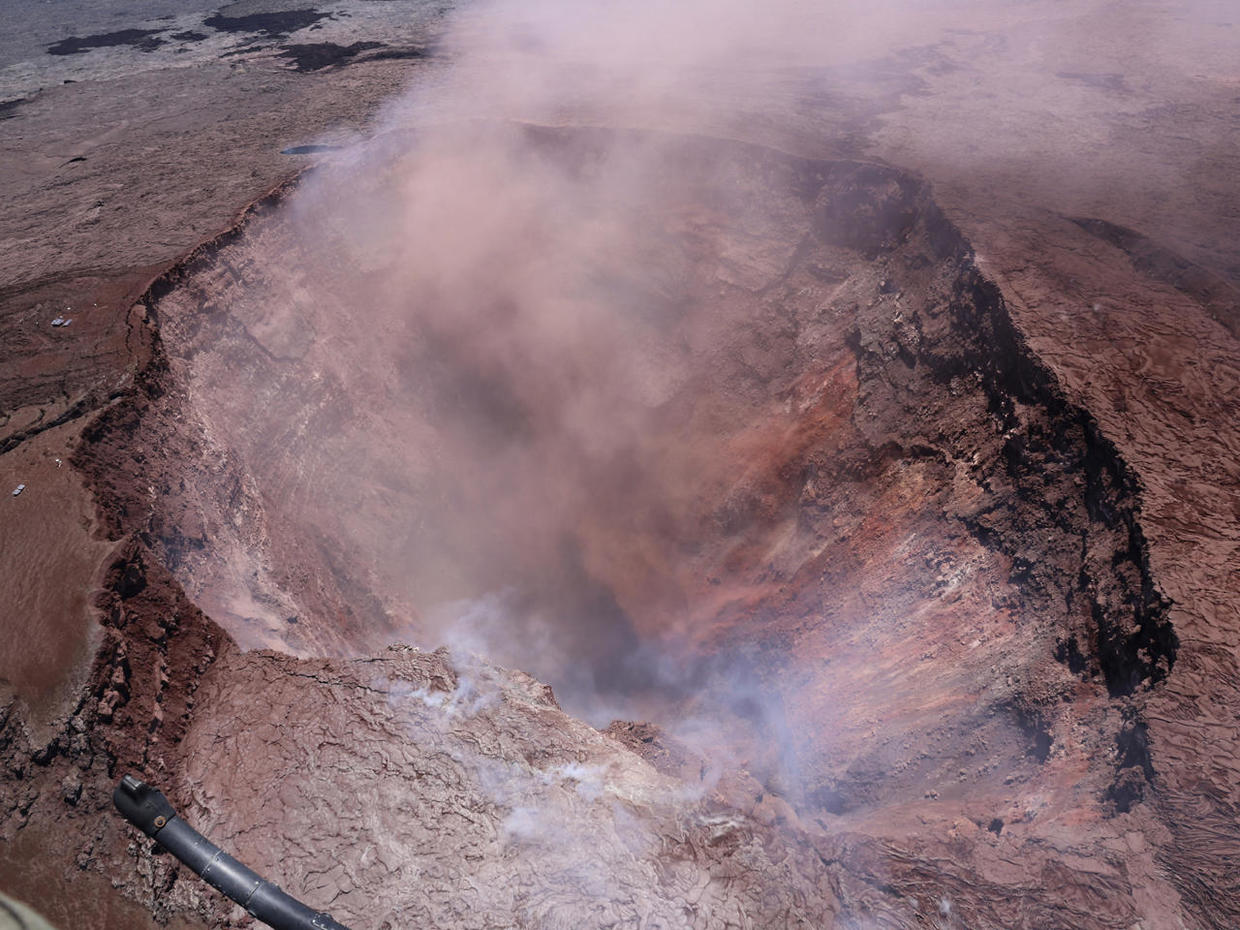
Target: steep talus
[158,472]
[965,509]
[1058,501]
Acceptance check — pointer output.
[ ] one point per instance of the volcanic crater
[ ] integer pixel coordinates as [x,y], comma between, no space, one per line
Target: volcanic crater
[701,433]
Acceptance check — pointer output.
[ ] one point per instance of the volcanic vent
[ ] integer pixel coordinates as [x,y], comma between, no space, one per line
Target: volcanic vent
[686,427]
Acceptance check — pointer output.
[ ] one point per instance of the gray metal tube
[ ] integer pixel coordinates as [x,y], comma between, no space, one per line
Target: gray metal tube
[148,810]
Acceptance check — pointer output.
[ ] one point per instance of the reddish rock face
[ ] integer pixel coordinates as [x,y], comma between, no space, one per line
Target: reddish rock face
[731,440]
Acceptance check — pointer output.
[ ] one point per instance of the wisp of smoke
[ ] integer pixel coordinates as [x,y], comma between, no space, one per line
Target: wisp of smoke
[530,322]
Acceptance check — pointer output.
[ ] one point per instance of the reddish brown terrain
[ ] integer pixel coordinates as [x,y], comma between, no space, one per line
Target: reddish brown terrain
[849,442]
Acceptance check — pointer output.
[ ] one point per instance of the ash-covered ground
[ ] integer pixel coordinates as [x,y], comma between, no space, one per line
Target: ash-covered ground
[809,433]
